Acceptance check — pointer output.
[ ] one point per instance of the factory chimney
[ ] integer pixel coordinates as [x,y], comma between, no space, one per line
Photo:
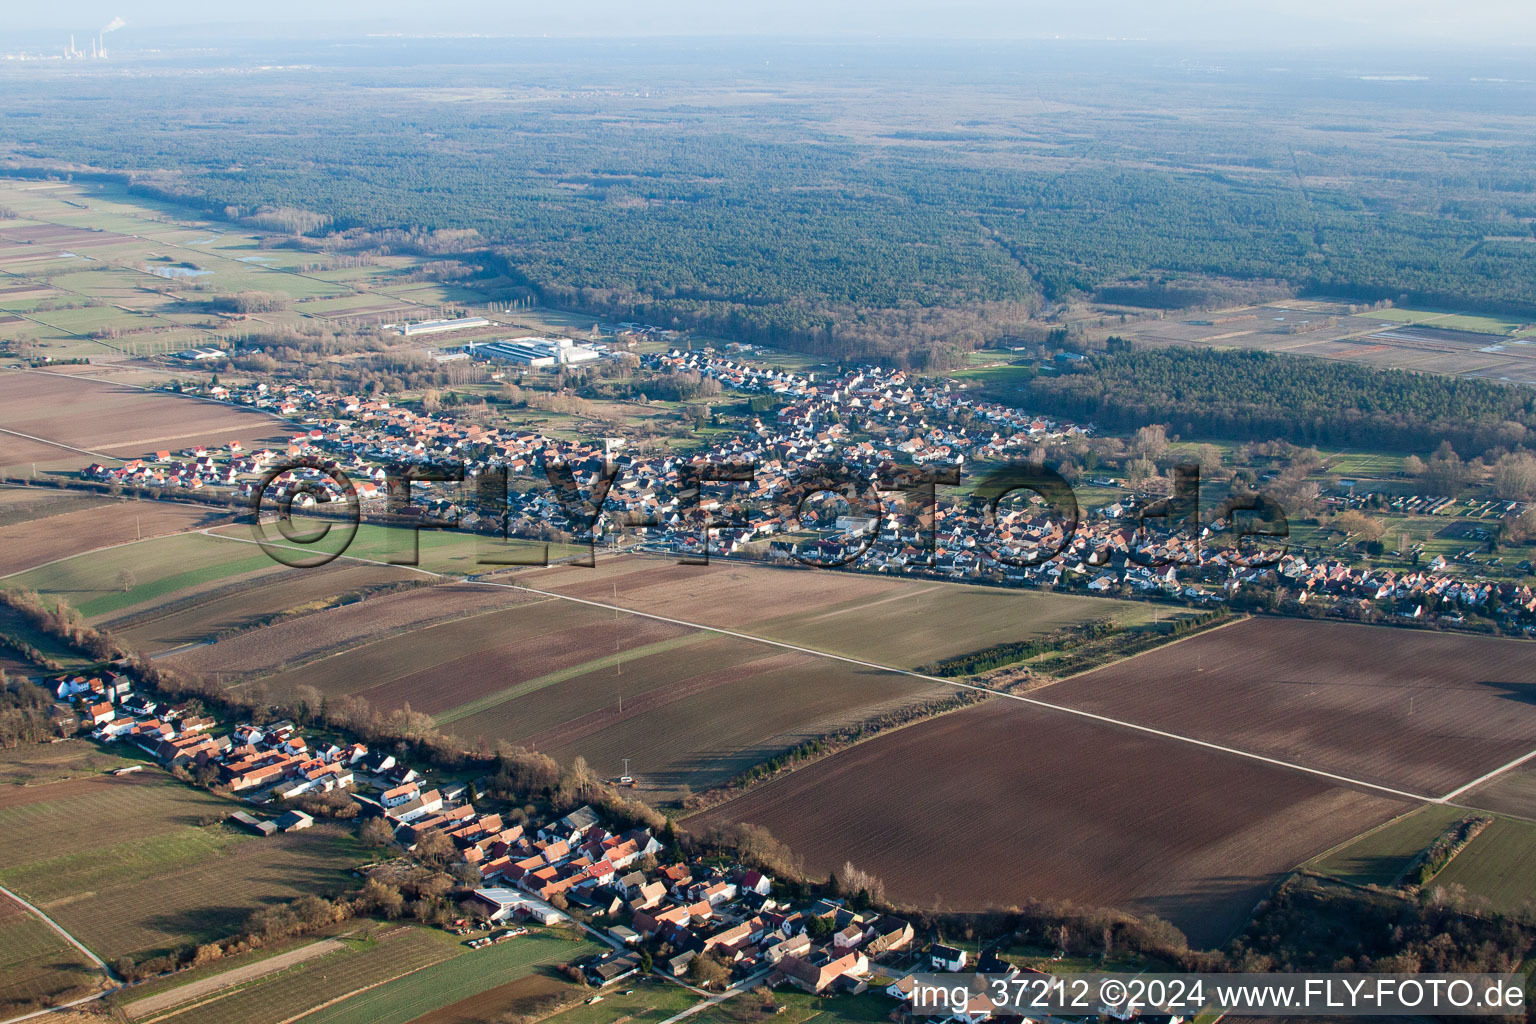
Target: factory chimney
[101,37]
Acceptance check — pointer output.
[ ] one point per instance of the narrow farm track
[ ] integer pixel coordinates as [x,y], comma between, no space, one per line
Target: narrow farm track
[60,444]
[955,684]
[50,922]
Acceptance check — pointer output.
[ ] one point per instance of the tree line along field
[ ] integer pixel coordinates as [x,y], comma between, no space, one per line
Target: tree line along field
[690,707]
[1104,814]
[1498,866]
[1408,709]
[88,271]
[1380,856]
[140,864]
[14,626]
[1000,802]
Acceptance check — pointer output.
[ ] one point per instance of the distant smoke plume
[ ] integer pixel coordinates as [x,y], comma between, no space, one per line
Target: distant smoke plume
[113,25]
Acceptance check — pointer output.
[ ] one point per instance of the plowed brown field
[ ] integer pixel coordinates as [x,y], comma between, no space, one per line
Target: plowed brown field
[31,543]
[116,419]
[1413,710]
[1002,801]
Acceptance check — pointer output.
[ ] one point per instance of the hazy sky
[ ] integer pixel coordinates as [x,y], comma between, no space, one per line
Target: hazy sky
[1255,23]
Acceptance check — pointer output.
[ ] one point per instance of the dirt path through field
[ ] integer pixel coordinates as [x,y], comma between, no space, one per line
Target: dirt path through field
[50,922]
[866,605]
[1063,709]
[229,979]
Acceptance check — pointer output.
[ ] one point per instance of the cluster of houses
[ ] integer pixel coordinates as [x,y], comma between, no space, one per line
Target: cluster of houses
[260,763]
[670,913]
[864,421]
[675,910]
[1408,593]
[620,885]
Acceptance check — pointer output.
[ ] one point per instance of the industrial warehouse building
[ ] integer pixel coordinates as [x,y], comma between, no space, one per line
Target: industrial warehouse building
[533,351]
[439,326]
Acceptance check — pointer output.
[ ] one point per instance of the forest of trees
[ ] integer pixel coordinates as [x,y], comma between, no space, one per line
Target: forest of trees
[1259,396]
[788,223]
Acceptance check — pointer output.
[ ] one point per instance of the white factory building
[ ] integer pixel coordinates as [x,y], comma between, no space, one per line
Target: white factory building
[439,326]
[533,351]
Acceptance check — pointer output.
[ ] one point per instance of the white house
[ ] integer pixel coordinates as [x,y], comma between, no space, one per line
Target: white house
[946,958]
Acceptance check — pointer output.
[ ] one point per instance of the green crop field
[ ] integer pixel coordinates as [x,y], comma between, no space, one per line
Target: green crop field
[1499,865]
[925,622]
[93,582]
[650,1001]
[143,864]
[1379,856]
[288,994]
[1476,322]
[444,551]
[36,963]
[467,974]
[791,1007]
[13,626]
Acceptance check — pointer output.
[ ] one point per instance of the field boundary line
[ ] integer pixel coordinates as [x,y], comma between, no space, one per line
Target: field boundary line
[1517,762]
[1048,705]
[1193,634]
[1308,864]
[213,509]
[51,923]
[1489,810]
[334,650]
[983,689]
[550,958]
[215,985]
[357,992]
[61,444]
[492,701]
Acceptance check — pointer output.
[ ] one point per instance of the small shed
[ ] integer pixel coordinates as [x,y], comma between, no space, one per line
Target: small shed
[292,821]
[260,826]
